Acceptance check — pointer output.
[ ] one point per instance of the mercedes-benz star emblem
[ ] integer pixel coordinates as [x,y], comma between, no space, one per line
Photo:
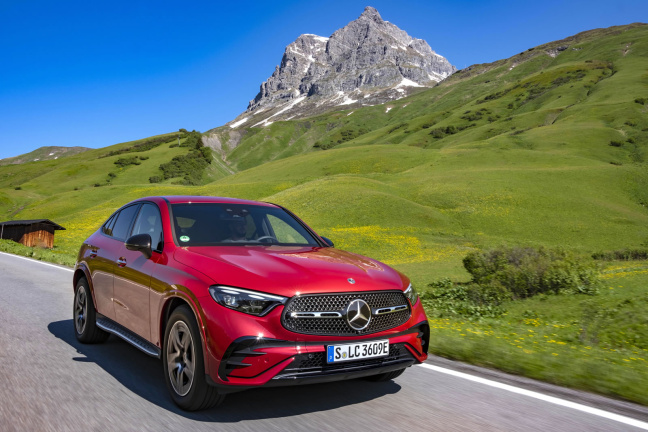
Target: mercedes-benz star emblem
[351,281]
[358,314]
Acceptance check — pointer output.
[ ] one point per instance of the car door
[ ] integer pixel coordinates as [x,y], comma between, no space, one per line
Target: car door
[133,271]
[100,255]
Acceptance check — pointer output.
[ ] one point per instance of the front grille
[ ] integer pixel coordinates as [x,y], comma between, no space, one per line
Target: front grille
[315,363]
[338,303]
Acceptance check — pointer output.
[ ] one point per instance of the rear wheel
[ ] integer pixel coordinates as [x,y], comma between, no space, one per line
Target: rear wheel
[387,376]
[184,366]
[84,316]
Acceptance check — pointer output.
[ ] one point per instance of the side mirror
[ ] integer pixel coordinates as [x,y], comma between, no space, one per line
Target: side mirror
[140,242]
[327,241]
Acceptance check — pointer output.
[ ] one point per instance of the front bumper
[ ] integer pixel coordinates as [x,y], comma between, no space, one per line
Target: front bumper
[258,361]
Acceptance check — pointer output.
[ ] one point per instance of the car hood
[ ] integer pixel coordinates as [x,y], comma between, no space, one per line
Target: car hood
[286,271]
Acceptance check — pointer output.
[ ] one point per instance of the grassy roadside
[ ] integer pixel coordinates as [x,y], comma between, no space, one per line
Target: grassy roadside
[594,343]
[55,256]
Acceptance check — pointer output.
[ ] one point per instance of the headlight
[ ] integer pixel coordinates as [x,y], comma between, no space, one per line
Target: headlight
[250,302]
[411,294]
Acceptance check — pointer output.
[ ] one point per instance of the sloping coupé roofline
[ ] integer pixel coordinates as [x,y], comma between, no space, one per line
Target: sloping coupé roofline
[185,199]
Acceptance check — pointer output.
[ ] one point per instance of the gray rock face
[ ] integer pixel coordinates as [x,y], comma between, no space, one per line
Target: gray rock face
[369,61]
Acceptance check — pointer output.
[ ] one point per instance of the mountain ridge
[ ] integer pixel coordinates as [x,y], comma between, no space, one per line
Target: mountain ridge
[367,62]
[43,153]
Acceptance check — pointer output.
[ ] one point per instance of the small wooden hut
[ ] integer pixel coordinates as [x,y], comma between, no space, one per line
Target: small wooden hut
[37,232]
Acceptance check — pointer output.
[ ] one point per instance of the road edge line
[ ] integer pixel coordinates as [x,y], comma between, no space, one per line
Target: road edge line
[38,261]
[551,399]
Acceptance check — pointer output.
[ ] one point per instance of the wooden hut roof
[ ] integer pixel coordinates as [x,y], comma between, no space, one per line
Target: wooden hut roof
[31,222]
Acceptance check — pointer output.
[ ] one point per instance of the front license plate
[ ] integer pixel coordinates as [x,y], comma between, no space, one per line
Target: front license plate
[357,351]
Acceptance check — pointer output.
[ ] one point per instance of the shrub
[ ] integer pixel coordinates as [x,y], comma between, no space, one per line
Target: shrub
[641,101]
[189,166]
[143,157]
[140,147]
[395,128]
[18,188]
[525,272]
[616,143]
[622,255]
[193,140]
[449,130]
[155,179]
[471,300]
[126,161]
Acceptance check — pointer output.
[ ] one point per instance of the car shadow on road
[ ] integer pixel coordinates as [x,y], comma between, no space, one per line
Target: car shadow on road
[143,375]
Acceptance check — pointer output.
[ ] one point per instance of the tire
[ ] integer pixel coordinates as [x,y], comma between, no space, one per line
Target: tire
[184,365]
[387,376]
[84,316]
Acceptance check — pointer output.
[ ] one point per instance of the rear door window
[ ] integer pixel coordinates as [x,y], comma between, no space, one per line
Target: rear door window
[124,221]
[107,228]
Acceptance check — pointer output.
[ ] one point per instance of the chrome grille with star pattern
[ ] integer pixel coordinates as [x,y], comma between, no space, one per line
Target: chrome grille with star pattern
[325,314]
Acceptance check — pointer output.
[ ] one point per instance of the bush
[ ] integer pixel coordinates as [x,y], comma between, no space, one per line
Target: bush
[193,140]
[190,166]
[471,300]
[616,143]
[525,272]
[18,188]
[155,179]
[126,161]
[141,147]
[622,255]
[641,101]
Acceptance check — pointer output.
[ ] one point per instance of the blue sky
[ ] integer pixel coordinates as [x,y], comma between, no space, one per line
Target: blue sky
[83,73]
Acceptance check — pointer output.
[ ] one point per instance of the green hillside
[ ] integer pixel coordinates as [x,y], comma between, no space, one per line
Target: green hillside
[43,153]
[546,148]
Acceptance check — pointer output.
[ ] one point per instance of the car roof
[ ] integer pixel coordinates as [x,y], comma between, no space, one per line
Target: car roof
[185,199]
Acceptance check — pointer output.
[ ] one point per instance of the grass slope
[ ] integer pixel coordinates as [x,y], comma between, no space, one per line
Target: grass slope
[546,148]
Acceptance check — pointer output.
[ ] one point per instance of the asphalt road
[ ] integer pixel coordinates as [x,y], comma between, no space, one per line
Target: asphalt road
[50,382]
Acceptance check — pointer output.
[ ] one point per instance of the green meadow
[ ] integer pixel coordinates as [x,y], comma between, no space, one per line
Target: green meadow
[546,148]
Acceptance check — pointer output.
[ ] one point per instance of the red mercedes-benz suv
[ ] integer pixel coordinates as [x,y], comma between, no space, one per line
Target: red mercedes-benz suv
[234,294]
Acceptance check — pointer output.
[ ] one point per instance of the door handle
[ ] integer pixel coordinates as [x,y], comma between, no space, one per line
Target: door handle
[93,254]
[121,262]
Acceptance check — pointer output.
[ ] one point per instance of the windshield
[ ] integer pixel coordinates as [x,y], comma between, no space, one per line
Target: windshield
[208,224]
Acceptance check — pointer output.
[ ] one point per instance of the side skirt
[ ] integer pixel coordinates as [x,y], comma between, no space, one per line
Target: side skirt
[134,339]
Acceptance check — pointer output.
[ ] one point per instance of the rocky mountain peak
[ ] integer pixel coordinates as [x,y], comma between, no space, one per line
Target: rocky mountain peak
[371,14]
[367,62]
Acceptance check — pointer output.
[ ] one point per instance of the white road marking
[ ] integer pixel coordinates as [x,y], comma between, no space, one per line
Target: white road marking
[543,397]
[40,262]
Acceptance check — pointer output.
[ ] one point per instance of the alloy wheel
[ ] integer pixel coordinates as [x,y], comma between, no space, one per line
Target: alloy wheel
[80,310]
[180,358]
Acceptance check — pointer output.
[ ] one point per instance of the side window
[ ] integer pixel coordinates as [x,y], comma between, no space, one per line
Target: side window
[149,222]
[107,227]
[284,232]
[123,223]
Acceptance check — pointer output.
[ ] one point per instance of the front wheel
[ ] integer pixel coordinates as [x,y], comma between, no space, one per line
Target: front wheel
[184,366]
[84,316]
